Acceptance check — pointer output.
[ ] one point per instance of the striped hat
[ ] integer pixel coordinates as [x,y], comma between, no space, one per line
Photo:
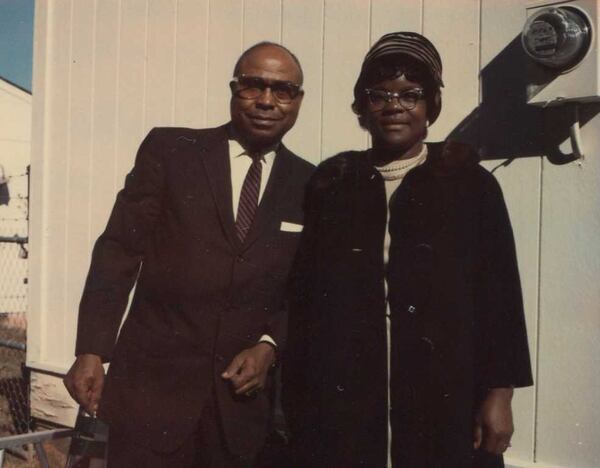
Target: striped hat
[407,43]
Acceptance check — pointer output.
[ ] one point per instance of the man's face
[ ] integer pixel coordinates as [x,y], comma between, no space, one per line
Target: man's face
[262,121]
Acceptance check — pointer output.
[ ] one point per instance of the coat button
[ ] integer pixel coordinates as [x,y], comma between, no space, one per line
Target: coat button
[423,257]
[340,388]
[219,358]
[411,309]
[429,342]
[240,259]
[424,250]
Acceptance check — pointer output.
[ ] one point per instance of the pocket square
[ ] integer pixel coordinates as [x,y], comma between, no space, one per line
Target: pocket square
[290,227]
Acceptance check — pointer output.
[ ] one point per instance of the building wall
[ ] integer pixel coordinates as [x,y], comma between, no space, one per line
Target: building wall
[107,71]
[15,140]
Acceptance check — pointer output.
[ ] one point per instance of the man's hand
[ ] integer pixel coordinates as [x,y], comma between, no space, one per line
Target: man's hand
[494,422]
[85,380]
[248,371]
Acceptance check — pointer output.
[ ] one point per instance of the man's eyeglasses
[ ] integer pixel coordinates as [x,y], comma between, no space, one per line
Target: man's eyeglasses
[252,87]
[407,99]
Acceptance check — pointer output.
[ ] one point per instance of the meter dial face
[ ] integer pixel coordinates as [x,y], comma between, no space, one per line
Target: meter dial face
[557,37]
[543,39]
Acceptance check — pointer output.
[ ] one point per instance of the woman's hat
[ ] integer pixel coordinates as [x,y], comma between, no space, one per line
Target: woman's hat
[407,43]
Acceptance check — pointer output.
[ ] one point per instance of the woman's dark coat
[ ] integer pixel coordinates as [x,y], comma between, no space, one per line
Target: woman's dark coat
[457,323]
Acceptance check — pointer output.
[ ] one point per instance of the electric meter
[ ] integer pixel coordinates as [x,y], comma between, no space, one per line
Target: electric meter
[560,44]
[557,38]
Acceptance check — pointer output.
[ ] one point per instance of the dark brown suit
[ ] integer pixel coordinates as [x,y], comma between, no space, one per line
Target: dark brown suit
[200,296]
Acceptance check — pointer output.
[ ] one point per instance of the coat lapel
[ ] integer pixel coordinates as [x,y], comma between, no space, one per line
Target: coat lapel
[271,199]
[214,153]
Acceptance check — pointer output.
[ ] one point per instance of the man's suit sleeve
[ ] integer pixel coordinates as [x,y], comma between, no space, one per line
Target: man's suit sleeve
[503,357]
[119,251]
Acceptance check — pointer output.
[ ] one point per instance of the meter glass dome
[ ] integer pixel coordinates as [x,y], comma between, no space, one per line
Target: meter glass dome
[557,37]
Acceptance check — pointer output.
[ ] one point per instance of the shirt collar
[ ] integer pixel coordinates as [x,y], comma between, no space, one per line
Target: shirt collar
[236,150]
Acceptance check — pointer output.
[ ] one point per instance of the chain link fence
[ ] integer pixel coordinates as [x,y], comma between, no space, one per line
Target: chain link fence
[14,381]
[14,394]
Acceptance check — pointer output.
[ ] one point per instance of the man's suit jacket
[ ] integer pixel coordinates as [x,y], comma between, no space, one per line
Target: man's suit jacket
[200,296]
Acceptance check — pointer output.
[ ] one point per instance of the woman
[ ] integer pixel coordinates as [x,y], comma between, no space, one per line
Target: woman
[406,332]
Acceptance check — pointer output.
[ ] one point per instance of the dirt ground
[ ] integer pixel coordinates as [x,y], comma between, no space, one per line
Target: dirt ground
[55,451]
[13,387]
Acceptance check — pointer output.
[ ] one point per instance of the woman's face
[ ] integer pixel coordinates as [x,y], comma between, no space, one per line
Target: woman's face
[392,127]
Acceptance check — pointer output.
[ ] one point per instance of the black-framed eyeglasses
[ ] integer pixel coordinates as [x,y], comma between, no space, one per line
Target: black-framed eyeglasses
[252,87]
[407,99]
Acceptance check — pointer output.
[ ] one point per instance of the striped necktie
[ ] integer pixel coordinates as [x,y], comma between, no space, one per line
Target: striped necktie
[248,198]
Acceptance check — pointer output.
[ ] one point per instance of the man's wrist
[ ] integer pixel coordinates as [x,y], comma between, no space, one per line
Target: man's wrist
[89,357]
[273,348]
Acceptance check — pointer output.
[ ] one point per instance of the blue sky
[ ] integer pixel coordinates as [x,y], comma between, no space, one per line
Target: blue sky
[16,41]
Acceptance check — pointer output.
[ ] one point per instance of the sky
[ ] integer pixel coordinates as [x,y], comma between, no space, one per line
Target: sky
[16,41]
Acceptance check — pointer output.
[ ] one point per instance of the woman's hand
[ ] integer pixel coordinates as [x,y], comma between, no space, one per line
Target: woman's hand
[494,421]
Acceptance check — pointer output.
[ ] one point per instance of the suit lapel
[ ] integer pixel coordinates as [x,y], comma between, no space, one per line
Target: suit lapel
[215,158]
[271,199]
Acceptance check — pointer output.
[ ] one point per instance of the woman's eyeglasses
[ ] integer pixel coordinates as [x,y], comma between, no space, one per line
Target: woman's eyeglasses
[407,99]
[252,87]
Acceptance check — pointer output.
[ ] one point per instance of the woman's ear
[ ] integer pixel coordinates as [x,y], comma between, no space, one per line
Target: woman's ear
[436,107]
[361,118]
[437,99]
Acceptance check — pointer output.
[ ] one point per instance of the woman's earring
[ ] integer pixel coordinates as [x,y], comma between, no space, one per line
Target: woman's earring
[427,123]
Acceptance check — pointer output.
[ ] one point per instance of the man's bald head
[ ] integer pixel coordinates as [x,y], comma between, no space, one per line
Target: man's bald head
[277,48]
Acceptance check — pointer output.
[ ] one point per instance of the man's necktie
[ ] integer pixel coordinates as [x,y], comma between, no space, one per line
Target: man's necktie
[248,199]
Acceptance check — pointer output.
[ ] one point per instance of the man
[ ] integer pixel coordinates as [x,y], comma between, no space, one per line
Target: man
[206,227]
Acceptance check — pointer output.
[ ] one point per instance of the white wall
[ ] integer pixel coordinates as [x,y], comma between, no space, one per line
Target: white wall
[15,139]
[106,71]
